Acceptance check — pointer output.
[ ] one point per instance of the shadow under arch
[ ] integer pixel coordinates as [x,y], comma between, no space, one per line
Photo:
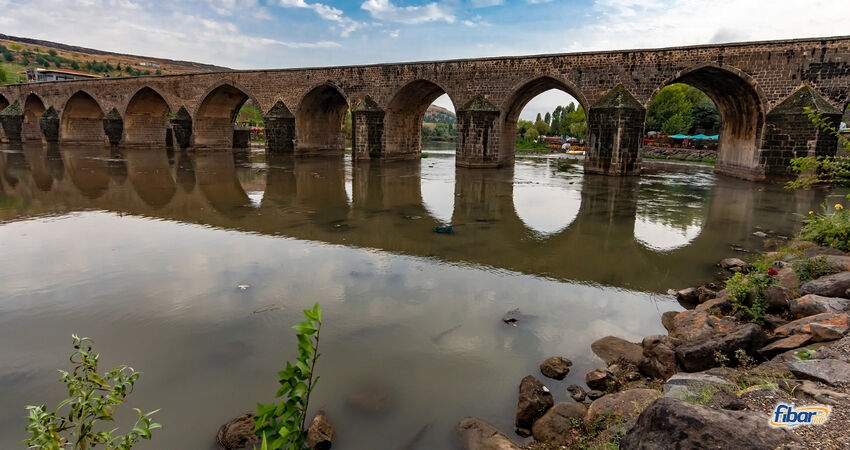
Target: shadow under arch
[404,116]
[523,93]
[31,128]
[82,120]
[146,118]
[4,103]
[216,114]
[742,107]
[319,121]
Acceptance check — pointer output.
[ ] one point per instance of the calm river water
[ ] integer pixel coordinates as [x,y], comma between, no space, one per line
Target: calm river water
[144,251]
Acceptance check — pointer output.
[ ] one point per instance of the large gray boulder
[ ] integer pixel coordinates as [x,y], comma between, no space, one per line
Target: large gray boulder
[625,404]
[834,285]
[476,434]
[534,400]
[701,354]
[669,423]
[556,367]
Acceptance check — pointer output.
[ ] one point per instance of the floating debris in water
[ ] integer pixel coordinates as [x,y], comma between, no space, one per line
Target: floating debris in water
[268,309]
[444,229]
[412,217]
[243,287]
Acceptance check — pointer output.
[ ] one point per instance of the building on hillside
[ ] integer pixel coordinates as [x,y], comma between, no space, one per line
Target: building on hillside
[37,75]
[149,64]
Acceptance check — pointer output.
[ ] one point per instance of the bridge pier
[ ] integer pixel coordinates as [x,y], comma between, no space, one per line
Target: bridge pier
[49,124]
[478,135]
[181,126]
[12,120]
[367,140]
[280,129]
[615,134]
[789,133]
[113,126]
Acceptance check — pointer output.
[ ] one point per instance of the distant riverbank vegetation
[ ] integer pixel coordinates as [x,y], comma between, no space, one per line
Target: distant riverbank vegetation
[682,109]
[439,125]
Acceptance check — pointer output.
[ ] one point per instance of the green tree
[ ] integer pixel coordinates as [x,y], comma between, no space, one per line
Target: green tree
[531,134]
[668,102]
[522,127]
[52,52]
[548,119]
[74,65]
[678,123]
[705,114]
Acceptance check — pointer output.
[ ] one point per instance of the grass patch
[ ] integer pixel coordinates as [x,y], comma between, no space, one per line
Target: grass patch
[809,269]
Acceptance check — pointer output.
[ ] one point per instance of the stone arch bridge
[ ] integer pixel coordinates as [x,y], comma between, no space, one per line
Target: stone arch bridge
[759,88]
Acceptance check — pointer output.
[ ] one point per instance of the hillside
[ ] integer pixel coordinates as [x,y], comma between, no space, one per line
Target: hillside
[17,54]
[437,114]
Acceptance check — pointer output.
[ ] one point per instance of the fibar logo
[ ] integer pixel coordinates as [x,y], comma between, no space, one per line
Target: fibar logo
[788,416]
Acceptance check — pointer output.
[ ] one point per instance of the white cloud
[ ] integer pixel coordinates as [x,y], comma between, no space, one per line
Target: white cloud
[150,30]
[534,2]
[346,24]
[387,11]
[486,3]
[621,24]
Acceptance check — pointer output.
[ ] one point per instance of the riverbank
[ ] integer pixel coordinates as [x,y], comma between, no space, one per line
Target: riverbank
[679,154]
[766,332]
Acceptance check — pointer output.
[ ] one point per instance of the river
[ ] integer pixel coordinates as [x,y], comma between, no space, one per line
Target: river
[191,267]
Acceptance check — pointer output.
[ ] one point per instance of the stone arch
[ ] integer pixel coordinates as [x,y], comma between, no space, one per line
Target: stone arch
[4,103]
[146,118]
[82,119]
[216,114]
[33,109]
[742,106]
[523,93]
[319,121]
[404,115]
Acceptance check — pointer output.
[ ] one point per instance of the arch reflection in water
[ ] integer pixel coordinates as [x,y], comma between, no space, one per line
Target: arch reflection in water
[545,202]
[438,187]
[672,208]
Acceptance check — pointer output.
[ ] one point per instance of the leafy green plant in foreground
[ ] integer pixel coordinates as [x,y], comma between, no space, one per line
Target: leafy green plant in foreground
[746,293]
[822,169]
[92,398]
[282,425]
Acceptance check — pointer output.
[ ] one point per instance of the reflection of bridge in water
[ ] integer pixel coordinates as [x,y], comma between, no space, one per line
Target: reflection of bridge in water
[307,199]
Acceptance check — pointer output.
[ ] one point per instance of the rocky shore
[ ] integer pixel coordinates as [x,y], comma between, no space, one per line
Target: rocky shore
[714,379]
[682,154]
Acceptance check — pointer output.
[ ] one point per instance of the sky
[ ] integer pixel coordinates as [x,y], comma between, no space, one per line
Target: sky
[262,34]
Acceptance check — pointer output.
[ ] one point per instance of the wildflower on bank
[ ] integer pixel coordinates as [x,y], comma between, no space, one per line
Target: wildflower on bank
[838,207]
[772,272]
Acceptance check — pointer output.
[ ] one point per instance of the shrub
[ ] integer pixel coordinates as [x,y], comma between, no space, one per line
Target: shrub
[830,229]
[92,398]
[746,293]
[281,425]
[809,269]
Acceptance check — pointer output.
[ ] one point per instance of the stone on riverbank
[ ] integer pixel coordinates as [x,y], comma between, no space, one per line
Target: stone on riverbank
[834,285]
[823,333]
[687,385]
[556,367]
[238,433]
[804,325]
[839,350]
[534,400]
[811,252]
[670,423]
[600,379]
[778,298]
[576,392]
[556,425]
[476,434]
[593,394]
[667,319]
[837,263]
[734,265]
[694,325]
[811,304]
[700,354]
[320,434]
[829,371]
[625,404]
[659,356]
[785,344]
[612,348]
